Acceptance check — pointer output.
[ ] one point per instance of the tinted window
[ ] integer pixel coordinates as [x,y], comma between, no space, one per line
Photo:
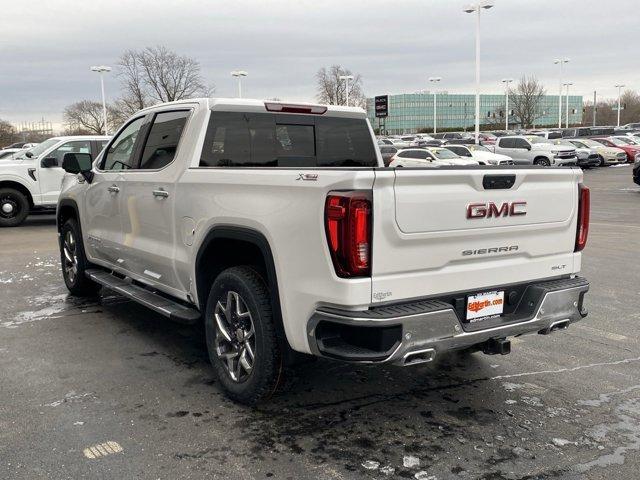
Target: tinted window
[419,154]
[506,143]
[162,141]
[520,143]
[388,150]
[70,147]
[120,155]
[272,140]
[463,152]
[553,135]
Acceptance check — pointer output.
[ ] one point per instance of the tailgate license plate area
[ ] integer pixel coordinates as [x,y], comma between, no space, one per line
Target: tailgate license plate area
[485,305]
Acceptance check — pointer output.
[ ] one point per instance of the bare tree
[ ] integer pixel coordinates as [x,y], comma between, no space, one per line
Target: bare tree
[8,133]
[333,91]
[86,116]
[526,100]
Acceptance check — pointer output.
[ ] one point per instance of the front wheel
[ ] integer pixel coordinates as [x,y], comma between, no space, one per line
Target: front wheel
[242,338]
[74,262]
[542,161]
[14,207]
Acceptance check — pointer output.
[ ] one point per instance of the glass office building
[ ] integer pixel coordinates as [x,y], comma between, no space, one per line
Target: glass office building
[411,112]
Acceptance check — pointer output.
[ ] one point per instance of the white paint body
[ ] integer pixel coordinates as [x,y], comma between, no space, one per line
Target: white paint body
[529,152]
[419,224]
[43,184]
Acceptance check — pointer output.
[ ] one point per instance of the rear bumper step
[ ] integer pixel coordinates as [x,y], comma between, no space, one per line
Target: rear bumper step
[415,332]
[162,305]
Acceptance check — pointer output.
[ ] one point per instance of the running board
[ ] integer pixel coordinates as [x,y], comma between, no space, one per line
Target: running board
[173,310]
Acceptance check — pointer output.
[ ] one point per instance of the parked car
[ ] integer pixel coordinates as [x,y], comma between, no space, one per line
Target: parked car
[632,151]
[481,154]
[576,132]
[487,138]
[20,145]
[428,157]
[634,126]
[387,151]
[31,180]
[587,157]
[548,134]
[636,172]
[454,138]
[7,153]
[607,155]
[533,150]
[292,246]
[629,140]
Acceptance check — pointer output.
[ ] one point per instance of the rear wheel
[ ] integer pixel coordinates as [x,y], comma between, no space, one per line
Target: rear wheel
[602,164]
[73,260]
[242,338]
[14,207]
[542,161]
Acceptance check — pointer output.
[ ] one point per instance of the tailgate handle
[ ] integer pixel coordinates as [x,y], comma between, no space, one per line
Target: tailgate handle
[498,182]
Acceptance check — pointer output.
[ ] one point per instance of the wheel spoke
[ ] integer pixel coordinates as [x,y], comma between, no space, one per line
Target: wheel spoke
[249,350]
[246,363]
[67,254]
[222,327]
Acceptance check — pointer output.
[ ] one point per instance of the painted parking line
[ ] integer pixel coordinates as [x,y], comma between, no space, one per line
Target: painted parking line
[102,450]
[611,336]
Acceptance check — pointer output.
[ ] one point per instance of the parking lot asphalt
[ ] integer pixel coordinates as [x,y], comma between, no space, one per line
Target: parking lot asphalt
[109,390]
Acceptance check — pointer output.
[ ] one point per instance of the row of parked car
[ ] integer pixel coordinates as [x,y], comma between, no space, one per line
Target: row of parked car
[533,147]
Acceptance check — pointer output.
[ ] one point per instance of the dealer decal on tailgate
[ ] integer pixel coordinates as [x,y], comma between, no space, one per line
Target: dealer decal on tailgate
[483,305]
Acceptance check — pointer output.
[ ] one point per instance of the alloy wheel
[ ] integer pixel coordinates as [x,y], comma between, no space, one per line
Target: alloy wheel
[235,342]
[70,256]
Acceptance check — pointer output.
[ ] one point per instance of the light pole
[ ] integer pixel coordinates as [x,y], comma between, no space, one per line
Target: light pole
[566,122]
[477,8]
[346,78]
[239,74]
[619,87]
[506,82]
[561,62]
[101,69]
[434,80]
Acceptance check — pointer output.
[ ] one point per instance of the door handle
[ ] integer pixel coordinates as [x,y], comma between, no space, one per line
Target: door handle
[114,189]
[160,193]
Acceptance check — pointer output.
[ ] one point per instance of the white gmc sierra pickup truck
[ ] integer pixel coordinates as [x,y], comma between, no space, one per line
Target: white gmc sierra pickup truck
[279,227]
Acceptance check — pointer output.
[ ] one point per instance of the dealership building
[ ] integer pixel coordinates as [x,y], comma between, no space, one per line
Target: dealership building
[410,112]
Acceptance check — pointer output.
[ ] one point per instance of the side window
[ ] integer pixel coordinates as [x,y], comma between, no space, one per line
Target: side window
[520,143]
[506,143]
[102,144]
[70,147]
[162,142]
[120,155]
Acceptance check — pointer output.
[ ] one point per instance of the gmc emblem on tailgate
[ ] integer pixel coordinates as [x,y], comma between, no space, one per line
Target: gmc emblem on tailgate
[490,209]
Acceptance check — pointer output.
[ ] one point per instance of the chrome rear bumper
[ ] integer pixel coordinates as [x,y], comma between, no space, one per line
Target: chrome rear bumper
[416,332]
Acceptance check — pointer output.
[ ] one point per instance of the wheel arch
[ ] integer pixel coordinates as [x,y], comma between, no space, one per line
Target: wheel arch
[21,187]
[249,246]
[67,209]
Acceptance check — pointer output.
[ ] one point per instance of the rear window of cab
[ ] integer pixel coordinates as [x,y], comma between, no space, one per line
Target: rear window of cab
[236,139]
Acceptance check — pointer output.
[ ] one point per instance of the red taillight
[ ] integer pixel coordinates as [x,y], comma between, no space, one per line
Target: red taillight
[584,208]
[348,225]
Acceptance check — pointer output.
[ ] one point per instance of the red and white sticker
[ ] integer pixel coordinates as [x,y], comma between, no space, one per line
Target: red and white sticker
[487,304]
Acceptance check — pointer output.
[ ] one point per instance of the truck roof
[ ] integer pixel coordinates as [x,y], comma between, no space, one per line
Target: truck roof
[260,106]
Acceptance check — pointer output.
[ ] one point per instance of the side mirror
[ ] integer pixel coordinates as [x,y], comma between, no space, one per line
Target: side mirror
[28,154]
[78,163]
[528,147]
[49,162]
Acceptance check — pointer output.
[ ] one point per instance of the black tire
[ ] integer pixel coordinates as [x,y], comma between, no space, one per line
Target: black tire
[261,348]
[542,161]
[74,262]
[602,164]
[14,207]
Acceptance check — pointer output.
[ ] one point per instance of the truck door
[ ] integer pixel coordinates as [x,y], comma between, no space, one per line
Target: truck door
[149,226]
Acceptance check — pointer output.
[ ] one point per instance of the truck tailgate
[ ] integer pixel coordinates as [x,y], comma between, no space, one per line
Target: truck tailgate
[440,231]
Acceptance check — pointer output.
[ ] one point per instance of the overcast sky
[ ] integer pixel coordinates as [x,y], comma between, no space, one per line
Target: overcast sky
[46,47]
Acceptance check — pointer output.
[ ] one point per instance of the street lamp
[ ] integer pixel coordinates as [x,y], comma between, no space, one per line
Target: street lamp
[101,69]
[619,87]
[566,123]
[346,78]
[561,62]
[477,8]
[506,82]
[434,80]
[239,74]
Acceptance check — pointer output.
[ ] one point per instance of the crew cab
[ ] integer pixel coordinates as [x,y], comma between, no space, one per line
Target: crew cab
[278,226]
[533,150]
[31,180]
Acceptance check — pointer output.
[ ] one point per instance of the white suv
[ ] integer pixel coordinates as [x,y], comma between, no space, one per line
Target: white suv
[533,150]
